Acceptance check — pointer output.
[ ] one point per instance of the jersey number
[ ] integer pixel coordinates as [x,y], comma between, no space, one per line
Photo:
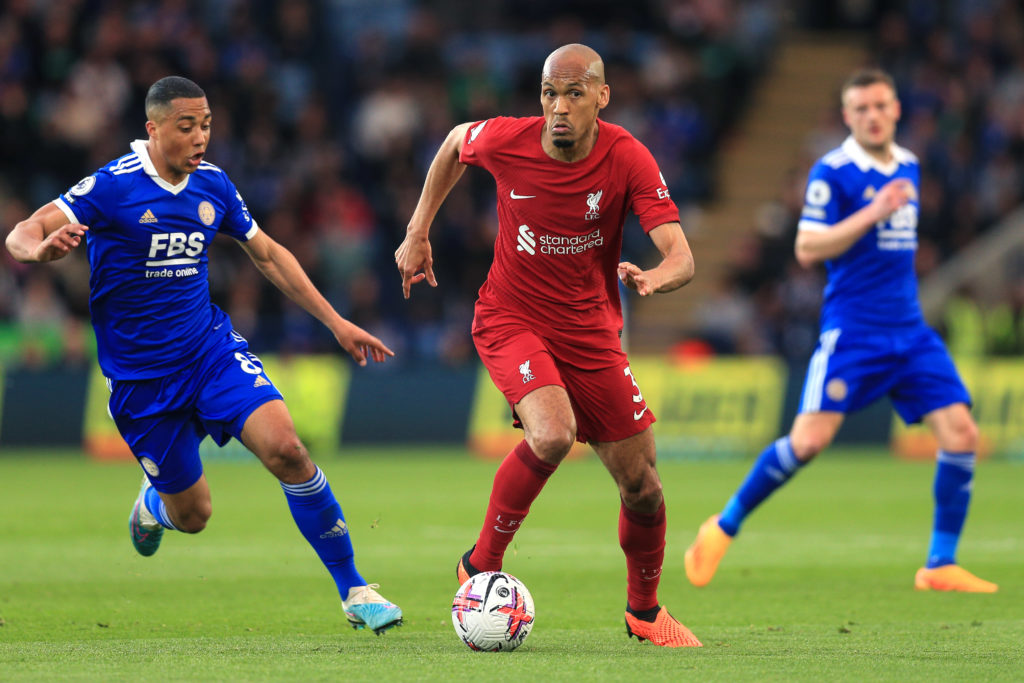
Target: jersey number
[249,363]
[637,397]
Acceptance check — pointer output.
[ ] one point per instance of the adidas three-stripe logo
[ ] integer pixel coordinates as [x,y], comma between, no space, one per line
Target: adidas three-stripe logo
[148,217]
[339,529]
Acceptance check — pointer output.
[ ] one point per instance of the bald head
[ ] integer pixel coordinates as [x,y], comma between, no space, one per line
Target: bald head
[574,62]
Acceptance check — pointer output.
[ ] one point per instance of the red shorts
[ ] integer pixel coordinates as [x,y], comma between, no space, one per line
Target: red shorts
[604,395]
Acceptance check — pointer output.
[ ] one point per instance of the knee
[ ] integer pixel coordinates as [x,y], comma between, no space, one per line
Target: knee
[194,519]
[552,441]
[286,458]
[641,491]
[962,437]
[807,444]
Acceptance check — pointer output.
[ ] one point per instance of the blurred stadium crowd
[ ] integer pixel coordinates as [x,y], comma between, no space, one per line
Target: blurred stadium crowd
[959,68]
[328,112]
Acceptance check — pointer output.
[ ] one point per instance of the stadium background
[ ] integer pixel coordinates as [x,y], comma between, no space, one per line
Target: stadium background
[326,115]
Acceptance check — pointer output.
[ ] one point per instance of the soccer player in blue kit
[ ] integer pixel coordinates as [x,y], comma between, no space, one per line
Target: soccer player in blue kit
[860,219]
[176,369]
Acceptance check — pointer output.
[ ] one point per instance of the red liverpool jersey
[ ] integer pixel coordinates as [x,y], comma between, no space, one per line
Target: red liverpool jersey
[560,224]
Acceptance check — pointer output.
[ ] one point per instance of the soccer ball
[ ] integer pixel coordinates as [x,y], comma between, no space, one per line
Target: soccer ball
[492,612]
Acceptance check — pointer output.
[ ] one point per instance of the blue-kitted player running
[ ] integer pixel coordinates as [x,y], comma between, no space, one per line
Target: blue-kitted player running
[860,219]
[177,370]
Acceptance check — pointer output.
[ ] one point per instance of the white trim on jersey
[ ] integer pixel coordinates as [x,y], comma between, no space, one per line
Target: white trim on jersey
[817,370]
[128,169]
[139,147]
[837,158]
[127,164]
[252,231]
[66,210]
[865,161]
[174,262]
[813,226]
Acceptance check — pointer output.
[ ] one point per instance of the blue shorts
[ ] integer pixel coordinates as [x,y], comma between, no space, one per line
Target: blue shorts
[852,368]
[164,419]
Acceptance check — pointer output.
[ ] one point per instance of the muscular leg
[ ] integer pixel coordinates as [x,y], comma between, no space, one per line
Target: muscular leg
[550,431]
[187,510]
[957,435]
[642,525]
[811,433]
[270,435]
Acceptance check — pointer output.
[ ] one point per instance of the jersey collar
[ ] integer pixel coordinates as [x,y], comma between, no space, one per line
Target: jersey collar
[139,147]
[865,161]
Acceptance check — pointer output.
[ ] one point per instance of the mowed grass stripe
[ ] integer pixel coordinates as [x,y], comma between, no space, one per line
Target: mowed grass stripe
[818,585]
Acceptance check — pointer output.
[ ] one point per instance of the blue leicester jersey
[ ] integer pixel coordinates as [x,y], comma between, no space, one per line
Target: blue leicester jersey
[147,245]
[873,282]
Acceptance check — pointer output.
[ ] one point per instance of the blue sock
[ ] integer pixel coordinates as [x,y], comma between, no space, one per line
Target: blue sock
[954,474]
[155,504]
[774,467]
[319,518]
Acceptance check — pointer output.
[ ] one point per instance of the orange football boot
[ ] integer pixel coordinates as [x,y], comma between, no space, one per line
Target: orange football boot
[664,630]
[951,577]
[464,570]
[706,551]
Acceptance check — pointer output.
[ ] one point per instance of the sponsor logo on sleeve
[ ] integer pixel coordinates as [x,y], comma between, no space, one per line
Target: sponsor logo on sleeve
[84,186]
[818,193]
[476,130]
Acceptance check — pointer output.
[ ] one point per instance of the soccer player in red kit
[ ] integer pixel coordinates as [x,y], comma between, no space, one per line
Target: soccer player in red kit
[548,317]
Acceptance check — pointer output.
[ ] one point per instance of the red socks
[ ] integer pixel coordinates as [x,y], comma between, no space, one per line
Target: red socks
[518,481]
[642,537]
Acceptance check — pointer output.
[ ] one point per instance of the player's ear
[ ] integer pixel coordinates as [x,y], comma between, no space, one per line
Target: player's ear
[151,129]
[604,96]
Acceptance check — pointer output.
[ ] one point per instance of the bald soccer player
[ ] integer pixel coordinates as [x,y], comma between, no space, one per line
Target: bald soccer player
[548,319]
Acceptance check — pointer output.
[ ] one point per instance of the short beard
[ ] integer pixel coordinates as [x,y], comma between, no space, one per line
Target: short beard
[562,143]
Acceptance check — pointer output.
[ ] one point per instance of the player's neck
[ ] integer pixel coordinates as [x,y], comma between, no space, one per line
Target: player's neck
[578,152]
[162,169]
[881,153]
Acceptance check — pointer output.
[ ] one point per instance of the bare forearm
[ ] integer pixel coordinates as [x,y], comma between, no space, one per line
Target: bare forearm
[24,240]
[813,246]
[675,271]
[445,170]
[676,267]
[284,271]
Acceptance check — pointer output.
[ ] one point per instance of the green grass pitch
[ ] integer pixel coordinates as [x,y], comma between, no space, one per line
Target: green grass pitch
[818,586]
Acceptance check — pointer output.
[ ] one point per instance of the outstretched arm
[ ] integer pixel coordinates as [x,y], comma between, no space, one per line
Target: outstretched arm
[675,269]
[46,235]
[280,267]
[413,256]
[814,246]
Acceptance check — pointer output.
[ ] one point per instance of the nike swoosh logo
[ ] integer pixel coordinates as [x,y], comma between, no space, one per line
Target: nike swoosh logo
[513,195]
[637,416]
[503,531]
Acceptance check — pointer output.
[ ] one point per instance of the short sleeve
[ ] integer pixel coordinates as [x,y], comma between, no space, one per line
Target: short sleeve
[86,201]
[649,193]
[474,149]
[821,199]
[237,223]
